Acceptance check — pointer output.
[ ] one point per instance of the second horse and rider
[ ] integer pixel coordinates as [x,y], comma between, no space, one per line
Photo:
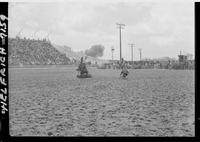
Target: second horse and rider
[83,72]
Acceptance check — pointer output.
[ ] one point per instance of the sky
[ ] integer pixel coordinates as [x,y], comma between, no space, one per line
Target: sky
[160,29]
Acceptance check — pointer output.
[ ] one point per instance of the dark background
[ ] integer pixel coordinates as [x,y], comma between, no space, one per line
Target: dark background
[4,125]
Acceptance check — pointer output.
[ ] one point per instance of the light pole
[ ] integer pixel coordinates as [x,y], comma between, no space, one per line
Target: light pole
[112,50]
[132,51]
[140,50]
[120,26]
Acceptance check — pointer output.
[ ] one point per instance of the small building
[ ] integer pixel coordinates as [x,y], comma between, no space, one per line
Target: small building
[182,58]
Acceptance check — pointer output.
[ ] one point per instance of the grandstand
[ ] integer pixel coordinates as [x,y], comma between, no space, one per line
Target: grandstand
[34,52]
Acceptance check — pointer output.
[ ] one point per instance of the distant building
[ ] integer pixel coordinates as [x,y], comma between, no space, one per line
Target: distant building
[182,58]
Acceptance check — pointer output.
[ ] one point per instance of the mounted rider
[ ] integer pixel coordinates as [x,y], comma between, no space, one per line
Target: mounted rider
[82,67]
[123,66]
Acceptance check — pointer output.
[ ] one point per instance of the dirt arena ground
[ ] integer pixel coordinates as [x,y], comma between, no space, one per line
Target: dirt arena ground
[53,102]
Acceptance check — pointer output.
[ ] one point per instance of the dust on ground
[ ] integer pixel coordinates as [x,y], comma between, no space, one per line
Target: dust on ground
[53,102]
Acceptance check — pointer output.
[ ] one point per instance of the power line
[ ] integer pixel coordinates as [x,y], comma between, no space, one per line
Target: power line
[120,26]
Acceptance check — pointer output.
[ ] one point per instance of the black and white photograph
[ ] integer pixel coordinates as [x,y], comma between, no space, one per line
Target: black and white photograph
[101,68]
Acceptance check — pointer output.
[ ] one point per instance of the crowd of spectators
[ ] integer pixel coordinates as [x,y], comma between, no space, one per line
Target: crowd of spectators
[34,52]
[170,64]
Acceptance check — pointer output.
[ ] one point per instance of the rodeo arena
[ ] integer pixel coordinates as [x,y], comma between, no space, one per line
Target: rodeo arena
[55,91]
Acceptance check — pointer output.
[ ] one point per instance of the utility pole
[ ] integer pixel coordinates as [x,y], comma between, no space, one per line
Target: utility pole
[140,50]
[132,51]
[112,50]
[120,26]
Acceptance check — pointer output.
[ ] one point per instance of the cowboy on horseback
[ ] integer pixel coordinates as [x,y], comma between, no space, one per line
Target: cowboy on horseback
[82,67]
[124,71]
[82,70]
